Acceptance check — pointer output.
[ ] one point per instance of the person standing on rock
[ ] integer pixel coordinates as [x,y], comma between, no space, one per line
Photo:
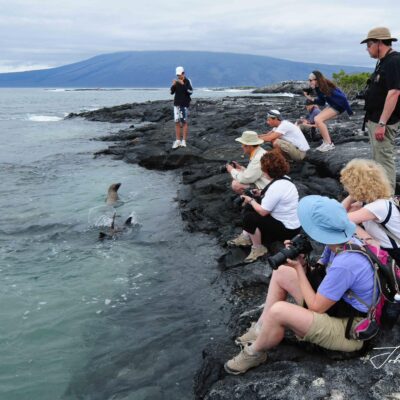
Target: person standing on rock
[182,89]
[244,177]
[286,136]
[327,92]
[382,103]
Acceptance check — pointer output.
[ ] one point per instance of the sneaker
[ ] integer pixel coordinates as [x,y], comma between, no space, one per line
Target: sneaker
[241,240]
[183,143]
[176,144]
[249,337]
[256,252]
[325,147]
[244,361]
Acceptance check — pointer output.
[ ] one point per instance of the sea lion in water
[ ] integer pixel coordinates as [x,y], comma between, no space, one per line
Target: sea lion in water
[112,194]
[113,232]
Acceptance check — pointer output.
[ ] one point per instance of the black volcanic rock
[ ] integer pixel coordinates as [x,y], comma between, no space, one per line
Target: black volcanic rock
[293,370]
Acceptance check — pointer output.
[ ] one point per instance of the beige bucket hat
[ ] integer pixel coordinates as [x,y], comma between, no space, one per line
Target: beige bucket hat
[380,33]
[249,138]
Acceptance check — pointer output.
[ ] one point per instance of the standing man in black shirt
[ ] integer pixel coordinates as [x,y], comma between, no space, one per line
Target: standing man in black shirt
[182,88]
[382,103]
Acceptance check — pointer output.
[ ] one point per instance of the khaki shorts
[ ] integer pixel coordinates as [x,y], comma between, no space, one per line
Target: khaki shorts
[291,150]
[329,332]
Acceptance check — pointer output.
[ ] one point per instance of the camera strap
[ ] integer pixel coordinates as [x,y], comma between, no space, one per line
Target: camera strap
[274,180]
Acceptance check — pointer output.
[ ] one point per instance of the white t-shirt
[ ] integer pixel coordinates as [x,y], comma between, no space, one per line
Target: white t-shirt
[292,134]
[281,200]
[380,209]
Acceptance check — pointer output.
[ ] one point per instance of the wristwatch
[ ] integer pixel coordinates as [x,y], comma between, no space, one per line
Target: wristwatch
[381,123]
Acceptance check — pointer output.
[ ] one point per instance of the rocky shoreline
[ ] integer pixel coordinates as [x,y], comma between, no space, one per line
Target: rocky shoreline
[294,370]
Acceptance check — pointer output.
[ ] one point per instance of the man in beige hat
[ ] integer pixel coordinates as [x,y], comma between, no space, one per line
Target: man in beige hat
[243,177]
[382,103]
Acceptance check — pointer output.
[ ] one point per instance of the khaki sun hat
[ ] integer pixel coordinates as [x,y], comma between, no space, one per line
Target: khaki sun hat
[380,33]
[249,138]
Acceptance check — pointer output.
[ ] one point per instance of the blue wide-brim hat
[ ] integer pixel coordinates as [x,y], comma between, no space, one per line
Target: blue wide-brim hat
[325,220]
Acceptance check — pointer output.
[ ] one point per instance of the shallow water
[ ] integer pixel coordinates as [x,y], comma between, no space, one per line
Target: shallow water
[125,318]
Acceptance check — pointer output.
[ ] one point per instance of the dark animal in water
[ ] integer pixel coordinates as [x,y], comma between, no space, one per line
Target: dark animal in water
[113,230]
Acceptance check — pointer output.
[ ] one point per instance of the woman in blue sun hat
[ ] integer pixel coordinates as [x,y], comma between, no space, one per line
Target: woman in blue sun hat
[324,220]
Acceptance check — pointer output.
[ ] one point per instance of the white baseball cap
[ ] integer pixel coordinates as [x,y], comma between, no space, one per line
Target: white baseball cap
[179,70]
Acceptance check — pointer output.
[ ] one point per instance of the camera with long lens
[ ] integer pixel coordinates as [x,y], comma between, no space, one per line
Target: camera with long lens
[238,201]
[299,245]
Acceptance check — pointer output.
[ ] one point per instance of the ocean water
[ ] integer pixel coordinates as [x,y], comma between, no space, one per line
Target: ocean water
[125,318]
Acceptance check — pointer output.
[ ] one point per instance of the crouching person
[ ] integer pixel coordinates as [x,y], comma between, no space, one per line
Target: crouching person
[275,217]
[324,220]
[244,177]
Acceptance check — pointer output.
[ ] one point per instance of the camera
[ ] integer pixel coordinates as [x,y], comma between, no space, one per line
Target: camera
[223,167]
[307,90]
[299,245]
[238,201]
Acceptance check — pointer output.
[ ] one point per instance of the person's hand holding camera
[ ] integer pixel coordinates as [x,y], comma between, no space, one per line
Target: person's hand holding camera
[246,199]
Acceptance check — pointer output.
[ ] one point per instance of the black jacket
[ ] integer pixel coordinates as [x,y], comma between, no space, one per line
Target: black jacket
[385,77]
[182,93]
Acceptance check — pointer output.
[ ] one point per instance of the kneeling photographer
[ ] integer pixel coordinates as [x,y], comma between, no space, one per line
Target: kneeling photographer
[274,217]
[348,280]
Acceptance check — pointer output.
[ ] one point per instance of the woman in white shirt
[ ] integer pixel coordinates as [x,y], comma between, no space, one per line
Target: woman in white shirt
[370,203]
[275,218]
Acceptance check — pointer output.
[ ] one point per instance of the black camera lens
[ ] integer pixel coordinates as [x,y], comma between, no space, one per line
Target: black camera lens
[300,245]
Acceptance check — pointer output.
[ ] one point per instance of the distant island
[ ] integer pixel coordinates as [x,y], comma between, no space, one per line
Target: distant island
[148,69]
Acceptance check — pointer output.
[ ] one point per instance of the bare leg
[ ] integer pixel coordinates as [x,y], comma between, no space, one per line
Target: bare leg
[283,281]
[325,115]
[282,315]
[185,130]
[256,237]
[178,130]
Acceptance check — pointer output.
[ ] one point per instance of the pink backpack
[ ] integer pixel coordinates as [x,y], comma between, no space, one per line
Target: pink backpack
[385,308]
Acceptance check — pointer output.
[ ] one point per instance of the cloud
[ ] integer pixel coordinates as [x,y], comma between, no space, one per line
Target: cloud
[55,33]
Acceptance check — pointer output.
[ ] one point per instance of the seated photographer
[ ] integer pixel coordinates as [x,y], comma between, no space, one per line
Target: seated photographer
[324,220]
[275,219]
[307,124]
[243,177]
[370,203]
[286,136]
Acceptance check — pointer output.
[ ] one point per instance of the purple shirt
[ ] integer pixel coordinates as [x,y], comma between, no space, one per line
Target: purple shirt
[314,112]
[347,271]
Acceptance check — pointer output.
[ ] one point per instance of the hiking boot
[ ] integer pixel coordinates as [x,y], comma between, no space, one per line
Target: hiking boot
[244,361]
[249,337]
[176,144]
[183,143]
[325,147]
[241,240]
[256,253]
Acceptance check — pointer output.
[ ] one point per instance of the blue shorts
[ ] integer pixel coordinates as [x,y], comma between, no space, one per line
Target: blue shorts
[181,114]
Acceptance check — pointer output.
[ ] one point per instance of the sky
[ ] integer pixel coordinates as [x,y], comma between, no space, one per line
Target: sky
[48,33]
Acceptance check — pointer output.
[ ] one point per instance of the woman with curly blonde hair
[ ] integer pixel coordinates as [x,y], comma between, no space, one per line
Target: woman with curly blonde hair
[370,203]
